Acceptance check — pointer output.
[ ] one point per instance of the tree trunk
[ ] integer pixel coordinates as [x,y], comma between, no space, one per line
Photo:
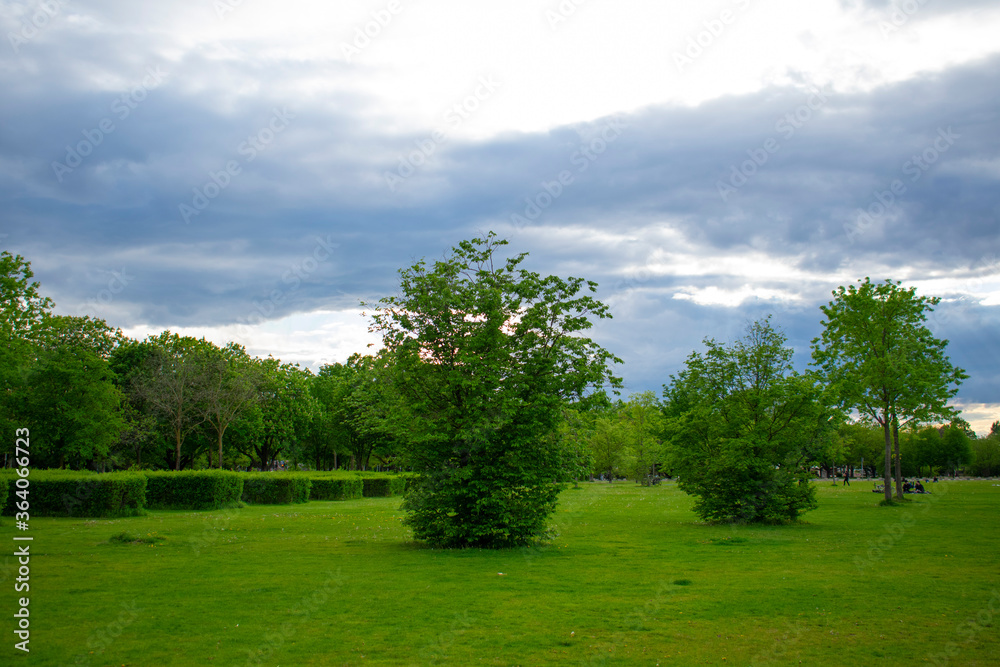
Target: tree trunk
[886,470]
[177,461]
[899,477]
[221,433]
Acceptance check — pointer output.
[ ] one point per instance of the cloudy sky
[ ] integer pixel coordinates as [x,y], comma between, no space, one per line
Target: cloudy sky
[251,171]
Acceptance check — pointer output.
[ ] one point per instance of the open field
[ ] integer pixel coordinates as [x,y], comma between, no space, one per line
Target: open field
[631,579]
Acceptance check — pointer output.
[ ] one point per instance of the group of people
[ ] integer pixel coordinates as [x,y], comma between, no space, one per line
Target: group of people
[908,487]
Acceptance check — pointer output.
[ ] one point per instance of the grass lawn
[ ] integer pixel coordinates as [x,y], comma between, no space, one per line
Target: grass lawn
[631,579]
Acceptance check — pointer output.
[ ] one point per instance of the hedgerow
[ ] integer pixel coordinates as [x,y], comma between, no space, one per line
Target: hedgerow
[275,489]
[193,489]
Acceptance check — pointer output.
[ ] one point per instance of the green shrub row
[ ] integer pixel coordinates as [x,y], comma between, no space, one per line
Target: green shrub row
[108,495]
[381,485]
[329,488]
[193,489]
[272,489]
[88,494]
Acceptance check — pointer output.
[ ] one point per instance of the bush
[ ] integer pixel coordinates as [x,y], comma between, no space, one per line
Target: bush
[193,489]
[272,489]
[381,486]
[332,488]
[107,495]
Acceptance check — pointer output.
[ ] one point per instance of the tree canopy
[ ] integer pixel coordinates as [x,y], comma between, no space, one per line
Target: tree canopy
[879,359]
[485,353]
[740,425]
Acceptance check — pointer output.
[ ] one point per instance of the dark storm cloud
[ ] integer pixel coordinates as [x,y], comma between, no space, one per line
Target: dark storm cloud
[322,212]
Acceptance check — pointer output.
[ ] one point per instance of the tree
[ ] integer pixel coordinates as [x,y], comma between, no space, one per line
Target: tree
[880,360]
[362,406]
[608,443]
[172,385]
[986,453]
[740,423]
[641,414]
[74,408]
[22,311]
[485,355]
[229,388]
[284,409]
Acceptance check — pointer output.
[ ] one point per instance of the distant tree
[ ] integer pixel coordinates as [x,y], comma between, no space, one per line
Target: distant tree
[643,419]
[230,387]
[74,408]
[171,385]
[608,443]
[880,360]
[285,407]
[363,408]
[740,423]
[986,453]
[485,355]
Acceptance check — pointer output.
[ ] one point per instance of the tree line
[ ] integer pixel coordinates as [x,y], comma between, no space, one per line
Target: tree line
[96,399]
[489,387]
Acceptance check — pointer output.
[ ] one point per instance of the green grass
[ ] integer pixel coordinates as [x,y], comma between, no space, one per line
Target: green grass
[631,579]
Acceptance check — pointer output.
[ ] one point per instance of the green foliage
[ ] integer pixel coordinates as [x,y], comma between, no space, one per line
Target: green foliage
[336,488]
[360,407]
[643,422]
[74,409]
[193,490]
[740,424]
[484,354]
[380,486]
[56,494]
[275,488]
[5,481]
[878,358]
[986,453]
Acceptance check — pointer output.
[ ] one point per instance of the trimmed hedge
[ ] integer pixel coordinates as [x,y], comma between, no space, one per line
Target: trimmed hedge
[380,485]
[271,489]
[108,495]
[334,488]
[193,489]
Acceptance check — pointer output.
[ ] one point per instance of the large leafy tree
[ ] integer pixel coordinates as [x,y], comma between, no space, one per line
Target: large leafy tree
[485,354]
[22,312]
[741,424]
[879,359]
